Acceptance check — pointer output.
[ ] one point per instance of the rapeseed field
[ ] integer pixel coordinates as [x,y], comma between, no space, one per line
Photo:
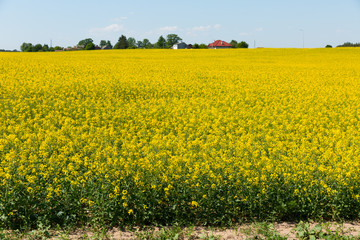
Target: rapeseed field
[146,137]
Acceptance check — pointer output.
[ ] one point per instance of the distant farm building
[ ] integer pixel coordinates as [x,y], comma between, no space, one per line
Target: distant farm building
[106,47]
[219,44]
[79,47]
[181,45]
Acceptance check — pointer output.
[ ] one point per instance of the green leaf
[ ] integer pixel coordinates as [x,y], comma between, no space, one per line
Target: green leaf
[317,228]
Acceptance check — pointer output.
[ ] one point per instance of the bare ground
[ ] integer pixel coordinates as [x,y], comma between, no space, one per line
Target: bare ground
[246,231]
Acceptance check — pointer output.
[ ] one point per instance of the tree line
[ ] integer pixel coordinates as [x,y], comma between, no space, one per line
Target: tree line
[349,44]
[123,43]
[346,44]
[29,47]
[131,43]
[162,42]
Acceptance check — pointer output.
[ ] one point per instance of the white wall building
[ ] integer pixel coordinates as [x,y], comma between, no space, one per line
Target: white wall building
[181,45]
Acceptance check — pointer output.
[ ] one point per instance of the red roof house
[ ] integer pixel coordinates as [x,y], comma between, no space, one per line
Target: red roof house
[219,44]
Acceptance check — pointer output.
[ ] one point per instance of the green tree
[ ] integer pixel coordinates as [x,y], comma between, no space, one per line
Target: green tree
[146,43]
[172,39]
[196,46]
[38,47]
[328,46]
[26,47]
[90,46]
[139,44]
[58,48]
[84,42]
[45,48]
[102,43]
[233,43]
[122,43]
[23,46]
[349,44]
[131,42]
[242,44]
[108,43]
[161,42]
[203,46]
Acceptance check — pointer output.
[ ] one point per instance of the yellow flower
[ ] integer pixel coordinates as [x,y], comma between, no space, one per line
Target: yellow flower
[194,203]
[181,124]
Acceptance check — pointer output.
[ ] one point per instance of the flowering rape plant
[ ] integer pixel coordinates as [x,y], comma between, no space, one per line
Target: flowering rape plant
[189,136]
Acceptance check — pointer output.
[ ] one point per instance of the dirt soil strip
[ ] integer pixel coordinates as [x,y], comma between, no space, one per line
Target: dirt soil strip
[245,231]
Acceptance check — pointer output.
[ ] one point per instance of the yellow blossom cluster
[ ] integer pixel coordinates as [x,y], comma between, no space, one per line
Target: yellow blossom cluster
[154,136]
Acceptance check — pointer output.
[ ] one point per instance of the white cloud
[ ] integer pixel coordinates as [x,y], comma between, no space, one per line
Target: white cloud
[260,29]
[217,26]
[206,28]
[168,28]
[111,28]
[202,28]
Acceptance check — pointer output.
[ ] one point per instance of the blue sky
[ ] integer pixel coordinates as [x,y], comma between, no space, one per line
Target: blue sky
[271,23]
